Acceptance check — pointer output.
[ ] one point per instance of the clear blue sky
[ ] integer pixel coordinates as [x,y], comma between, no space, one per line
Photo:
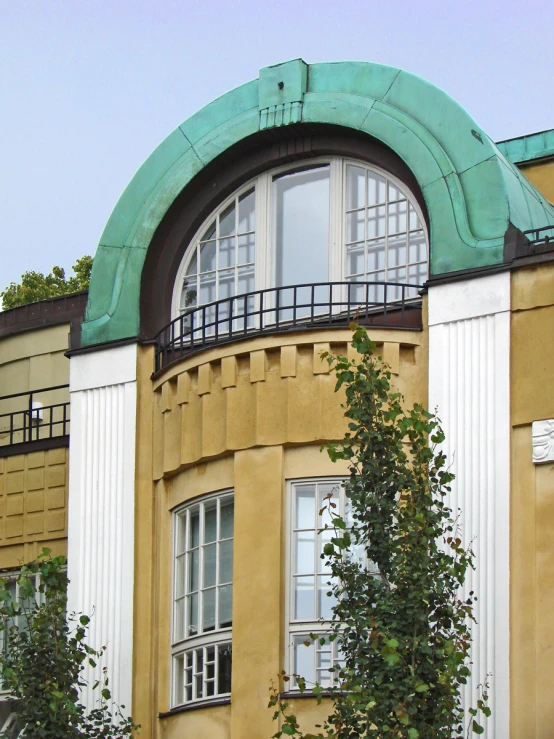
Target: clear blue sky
[89,87]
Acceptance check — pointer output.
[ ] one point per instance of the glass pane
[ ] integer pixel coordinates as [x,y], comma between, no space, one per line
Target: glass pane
[355,226]
[179,619]
[192,607]
[304,552]
[246,280]
[376,222]
[227,518]
[194,529]
[180,576]
[301,227]
[395,193]
[209,565]
[247,204]
[188,295]
[208,610]
[376,293]
[226,286]
[325,602]
[415,223]
[193,570]
[417,250]
[355,258]
[417,276]
[227,253]
[210,522]
[304,598]
[376,255]
[326,504]
[227,221]
[226,561]
[180,537]
[305,507]
[179,677]
[246,249]
[304,658]
[207,288]
[192,269]
[397,217]
[224,659]
[357,294]
[225,606]
[396,253]
[209,233]
[207,256]
[376,189]
[355,187]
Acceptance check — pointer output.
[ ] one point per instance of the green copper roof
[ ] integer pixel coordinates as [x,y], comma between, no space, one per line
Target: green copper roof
[528,148]
[471,189]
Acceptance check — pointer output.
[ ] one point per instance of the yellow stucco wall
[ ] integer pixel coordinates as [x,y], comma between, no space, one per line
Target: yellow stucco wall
[541,175]
[532,507]
[247,416]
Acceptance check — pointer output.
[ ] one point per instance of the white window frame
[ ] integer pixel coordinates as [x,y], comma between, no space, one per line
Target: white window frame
[202,641]
[300,629]
[264,222]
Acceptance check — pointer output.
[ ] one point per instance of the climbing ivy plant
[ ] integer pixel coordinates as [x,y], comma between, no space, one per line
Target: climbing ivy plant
[43,657]
[402,627]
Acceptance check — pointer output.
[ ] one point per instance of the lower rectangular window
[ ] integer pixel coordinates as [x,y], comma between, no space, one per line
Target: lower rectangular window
[202,599]
[310,600]
[203,672]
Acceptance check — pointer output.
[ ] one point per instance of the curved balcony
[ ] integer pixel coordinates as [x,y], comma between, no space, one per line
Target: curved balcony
[291,308]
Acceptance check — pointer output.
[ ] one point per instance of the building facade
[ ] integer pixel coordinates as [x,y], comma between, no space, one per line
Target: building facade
[198,400]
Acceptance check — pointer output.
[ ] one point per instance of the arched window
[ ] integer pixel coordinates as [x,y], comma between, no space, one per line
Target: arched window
[329,220]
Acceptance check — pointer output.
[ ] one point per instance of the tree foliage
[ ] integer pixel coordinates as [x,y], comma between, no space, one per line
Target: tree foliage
[37,286]
[404,633]
[44,655]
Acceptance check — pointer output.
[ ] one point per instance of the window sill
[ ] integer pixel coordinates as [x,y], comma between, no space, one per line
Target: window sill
[294,694]
[209,703]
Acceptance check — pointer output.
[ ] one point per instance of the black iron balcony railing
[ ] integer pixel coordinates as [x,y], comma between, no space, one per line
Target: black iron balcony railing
[290,308]
[541,239]
[34,416]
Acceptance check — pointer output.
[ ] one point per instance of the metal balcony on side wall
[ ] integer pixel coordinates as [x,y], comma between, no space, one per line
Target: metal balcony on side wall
[540,240]
[290,308]
[37,419]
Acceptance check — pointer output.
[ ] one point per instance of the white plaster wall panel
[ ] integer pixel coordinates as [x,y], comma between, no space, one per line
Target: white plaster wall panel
[469,386]
[101,508]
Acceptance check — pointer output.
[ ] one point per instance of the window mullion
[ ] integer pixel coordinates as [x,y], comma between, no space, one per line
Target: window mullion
[336,220]
[262,238]
[201,570]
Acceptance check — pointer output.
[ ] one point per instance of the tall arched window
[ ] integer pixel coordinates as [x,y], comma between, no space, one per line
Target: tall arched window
[329,220]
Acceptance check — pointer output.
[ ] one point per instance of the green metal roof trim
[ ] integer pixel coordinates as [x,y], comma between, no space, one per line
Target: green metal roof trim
[471,190]
[528,148]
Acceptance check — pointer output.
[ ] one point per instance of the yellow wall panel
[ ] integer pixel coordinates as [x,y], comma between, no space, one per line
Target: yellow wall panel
[532,363]
[33,504]
[541,175]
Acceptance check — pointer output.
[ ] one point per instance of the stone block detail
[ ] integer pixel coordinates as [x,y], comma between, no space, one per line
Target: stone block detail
[33,499]
[270,395]
[543,441]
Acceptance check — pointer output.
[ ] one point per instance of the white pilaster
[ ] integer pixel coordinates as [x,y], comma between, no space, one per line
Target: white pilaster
[469,385]
[101,508]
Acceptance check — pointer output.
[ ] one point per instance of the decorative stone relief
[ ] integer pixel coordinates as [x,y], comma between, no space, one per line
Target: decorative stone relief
[543,441]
